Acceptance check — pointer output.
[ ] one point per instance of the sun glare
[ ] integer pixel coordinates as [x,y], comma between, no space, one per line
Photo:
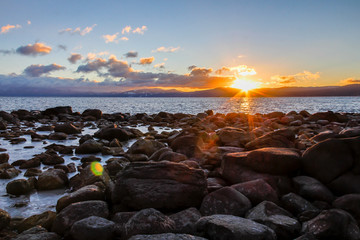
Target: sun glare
[244,85]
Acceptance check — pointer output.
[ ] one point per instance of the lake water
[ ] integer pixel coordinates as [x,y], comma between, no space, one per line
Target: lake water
[186,105]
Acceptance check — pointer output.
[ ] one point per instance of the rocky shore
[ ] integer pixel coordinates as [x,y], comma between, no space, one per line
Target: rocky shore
[206,176]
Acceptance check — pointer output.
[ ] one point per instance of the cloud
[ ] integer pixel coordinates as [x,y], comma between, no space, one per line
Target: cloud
[160,65]
[223,70]
[200,71]
[28,22]
[191,67]
[302,76]
[62,47]
[124,39]
[78,30]
[166,49]
[131,54]
[34,50]
[38,70]
[110,38]
[7,28]
[91,56]
[243,70]
[74,58]
[7,52]
[126,29]
[144,61]
[140,30]
[350,81]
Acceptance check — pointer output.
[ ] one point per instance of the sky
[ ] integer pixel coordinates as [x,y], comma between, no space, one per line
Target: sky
[114,46]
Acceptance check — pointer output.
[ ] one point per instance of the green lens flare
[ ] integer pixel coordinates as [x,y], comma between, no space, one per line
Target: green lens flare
[96,168]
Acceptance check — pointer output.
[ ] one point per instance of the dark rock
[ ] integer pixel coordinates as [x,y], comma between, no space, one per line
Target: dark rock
[67,128]
[172,157]
[159,185]
[281,139]
[114,165]
[52,179]
[7,171]
[32,172]
[234,137]
[296,204]
[145,146]
[148,221]
[333,224]
[257,191]
[225,201]
[111,133]
[58,110]
[18,187]
[155,156]
[166,236]
[323,136]
[44,220]
[77,211]
[227,227]
[306,236]
[312,189]
[92,228]
[3,125]
[31,163]
[96,113]
[330,116]
[37,233]
[215,183]
[185,220]
[4,219]
[349,203]
[9,117]
[87,177]
[187,145]
[88,147]
[50,159]
[346,183]
[57,136]
[4,157]
[115,143]
[90,192]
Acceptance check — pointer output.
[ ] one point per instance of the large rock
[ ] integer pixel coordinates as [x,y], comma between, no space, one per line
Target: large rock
[159,185]
[4,157]
[312,189]
[234,137]
[276,218]
[330,116]
[58,110]
[88,147]
[7,171]
[52,179]
[67,128]
[4,219]
[148,221]
[185,220]
[92,228]
[19,187]
[346,183]
[331,158]
[77,211]
[44,220]
[111,133]
[296,204]
[188,145]
[166,236]
[87,177]
[257,191]
[283,138]
[145,146]
[225,201]
[227,227]
[37,233]
[96,113]
[90,192]
[332,224]
[349,203]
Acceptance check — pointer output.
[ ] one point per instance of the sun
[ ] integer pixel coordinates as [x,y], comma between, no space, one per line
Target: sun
[244,85]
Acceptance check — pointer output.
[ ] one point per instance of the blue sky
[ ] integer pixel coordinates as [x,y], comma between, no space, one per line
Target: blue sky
[287,43]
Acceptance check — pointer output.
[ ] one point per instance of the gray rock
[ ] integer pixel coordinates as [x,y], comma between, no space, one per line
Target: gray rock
[67,128]
[92,228]
[185,220]
[312,189]
[296,204]
[37,233]
[166,236]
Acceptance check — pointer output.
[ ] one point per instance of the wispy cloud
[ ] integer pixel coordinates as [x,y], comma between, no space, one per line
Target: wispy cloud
[74,58]
[200,71]
[131,54]
[223,71]
[77,30]
[160,65]
[166,49]
[7,28]
[38,70]
[191,67]
[243,70]
[110,38]
[350,81]
[91,55]
[146,61]
[34,49]
[28,22]
[124,39]
[62,47]
[7,52]
[295,78]
[140,30]
[126,29]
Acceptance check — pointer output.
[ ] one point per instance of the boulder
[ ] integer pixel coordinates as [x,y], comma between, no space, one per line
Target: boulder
[346,183]
[166,236]
[96,113]
[44,220]
[234,137]
[67,128]
[188,145]
[332,224]
[349,203]
[111,133]
[7,171]
[4,219]
[257,191]
[145,146]
[225,201]
[37,233]
[227,227]
[89,192]
[92,228]
[159,185]
[18,187]
[283,138]
[57,136]
[58,110]
[52,179]
[77,211]
[87,177]
[172,157]
[3,125]
[312,189]
[296,204]
[185,220]
[329,116]
[148,221]
[4,157]
[88,147]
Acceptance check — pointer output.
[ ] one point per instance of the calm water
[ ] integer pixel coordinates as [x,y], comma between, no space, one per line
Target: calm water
[186,105]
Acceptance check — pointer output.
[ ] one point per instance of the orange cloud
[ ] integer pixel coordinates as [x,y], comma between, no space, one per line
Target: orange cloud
[110,38]
[34,50]
[166,49]
[7,28]
[140,30]
[243,70]
[78,30]
[144,61]
[302,76]
[196,71]
[350,81]
[126,29]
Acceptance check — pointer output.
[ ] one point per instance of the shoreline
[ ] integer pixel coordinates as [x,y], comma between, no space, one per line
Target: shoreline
[193,175]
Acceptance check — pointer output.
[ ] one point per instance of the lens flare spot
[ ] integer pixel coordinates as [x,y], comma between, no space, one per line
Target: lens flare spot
[96,168]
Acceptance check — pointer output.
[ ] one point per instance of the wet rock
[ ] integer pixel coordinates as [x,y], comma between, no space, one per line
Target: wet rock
[45,128]
[312,189]
[346,183]
[114,165]
[52,179]
[37,233]
[17,140]
[225,201]
[306,236]
[329,116]
[227,227]
[166,236]
[18,187]
[7,171]
[4,219]
[57,136]
[92,228]
[148,221]
[31,172]
[332,224]
[58,110]
[156,155]
[9,117]
[323,136]
[95,113]
[276,218]
[77,211]
[185,220]
[111,133]
[87,177]
[172,157]
[115,143]
[187,145]
[90,192]
[296,204]
[50,159]
[349,203]
[281,139]
[234,137]
[145,146]
[31,163]
[67,128]
[88,147]
[159,185]
[44,220]
[350,132]
[3,125]
[257,191]
[4,157]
